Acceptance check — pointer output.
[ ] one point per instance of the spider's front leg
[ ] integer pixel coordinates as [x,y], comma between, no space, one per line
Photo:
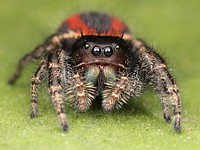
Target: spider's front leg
[79,93]
[56,71]
[157,74]
[113,94]
[126,85]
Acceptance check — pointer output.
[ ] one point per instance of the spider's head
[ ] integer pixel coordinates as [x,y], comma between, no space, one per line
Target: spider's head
[102,51]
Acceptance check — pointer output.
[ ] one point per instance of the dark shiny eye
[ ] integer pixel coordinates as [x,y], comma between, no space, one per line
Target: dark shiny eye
[108,51]
[96,51]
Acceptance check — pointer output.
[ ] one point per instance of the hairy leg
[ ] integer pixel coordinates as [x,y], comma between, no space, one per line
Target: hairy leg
[113,94]
[56,82]
[25,60]
[54,41]
[79,93]
[158,75]
[36,80]
[127,85]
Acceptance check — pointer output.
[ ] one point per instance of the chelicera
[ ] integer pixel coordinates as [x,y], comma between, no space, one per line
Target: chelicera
[93,54]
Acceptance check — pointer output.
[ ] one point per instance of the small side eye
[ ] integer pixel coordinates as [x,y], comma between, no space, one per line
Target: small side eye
[117,47]
[87,46]
[96,51]
[108,51]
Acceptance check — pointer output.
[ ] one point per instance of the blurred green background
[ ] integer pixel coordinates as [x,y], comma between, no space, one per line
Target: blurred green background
[172,27]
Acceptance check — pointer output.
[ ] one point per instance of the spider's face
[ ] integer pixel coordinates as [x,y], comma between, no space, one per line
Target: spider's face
[101,51]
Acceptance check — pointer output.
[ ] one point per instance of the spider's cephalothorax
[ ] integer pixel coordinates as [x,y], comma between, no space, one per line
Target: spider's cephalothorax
[93,54]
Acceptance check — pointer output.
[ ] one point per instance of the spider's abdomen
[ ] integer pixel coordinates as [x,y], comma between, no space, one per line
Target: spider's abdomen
[95,24]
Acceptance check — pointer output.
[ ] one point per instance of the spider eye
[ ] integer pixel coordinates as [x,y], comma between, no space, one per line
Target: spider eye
[96,51]
[87,46]
[117,47]
[108,51]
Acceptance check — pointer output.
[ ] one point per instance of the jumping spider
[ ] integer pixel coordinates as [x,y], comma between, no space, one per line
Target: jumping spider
[93,54]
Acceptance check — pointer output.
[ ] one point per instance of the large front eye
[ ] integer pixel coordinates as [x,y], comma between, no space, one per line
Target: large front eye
[108,51]
[96,51]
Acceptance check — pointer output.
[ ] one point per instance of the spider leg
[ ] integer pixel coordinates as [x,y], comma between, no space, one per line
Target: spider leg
[56,83]
[80,94]
[36,80]
[158,75]
[52,42]
[113,95]
[117,93]
[25,60]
